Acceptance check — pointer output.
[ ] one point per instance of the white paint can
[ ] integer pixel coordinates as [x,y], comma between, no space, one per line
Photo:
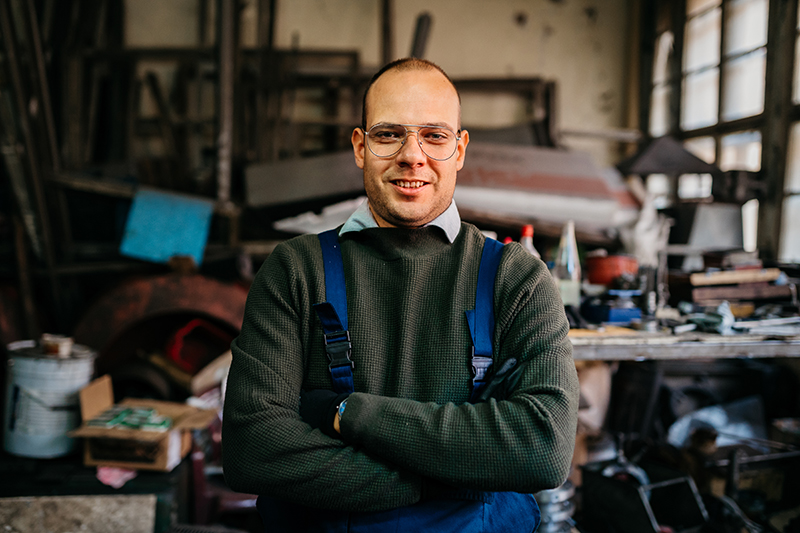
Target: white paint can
[42,402]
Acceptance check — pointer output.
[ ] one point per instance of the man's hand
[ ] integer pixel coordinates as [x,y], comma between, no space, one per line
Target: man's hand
[318,410]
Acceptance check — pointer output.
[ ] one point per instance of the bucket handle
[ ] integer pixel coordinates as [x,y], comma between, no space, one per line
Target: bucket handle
[36,397]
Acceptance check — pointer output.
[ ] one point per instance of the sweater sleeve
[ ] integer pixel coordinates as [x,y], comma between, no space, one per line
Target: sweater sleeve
[267,448]
[522,444]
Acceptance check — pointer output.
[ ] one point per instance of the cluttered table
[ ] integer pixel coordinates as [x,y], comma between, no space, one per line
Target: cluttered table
[625,344]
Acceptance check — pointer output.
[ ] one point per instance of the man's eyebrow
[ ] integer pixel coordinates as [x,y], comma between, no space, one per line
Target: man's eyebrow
[435,124]
[440,124]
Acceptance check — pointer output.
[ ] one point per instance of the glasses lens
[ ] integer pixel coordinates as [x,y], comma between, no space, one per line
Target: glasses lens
[385,140]
[437,143]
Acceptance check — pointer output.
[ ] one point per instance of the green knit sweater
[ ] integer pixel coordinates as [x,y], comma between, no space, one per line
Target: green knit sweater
[409,419]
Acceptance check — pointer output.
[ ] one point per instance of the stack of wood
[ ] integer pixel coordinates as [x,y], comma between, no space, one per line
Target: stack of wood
[739,278]
[713,287]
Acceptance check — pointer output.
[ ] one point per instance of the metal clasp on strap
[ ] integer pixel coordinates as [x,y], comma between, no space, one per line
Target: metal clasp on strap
[338,348]
[480,367]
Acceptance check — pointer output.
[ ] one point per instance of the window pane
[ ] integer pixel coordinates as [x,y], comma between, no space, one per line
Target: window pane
[694,186]
[659,111]
[702,147]
[700,99]
[695,6]
[790,231]
[743,94]
[741,151]
[745,25]
[701,48]
[793,160]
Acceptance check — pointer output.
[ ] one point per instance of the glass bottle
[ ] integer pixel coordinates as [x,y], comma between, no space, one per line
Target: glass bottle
[567,268]
[526,240]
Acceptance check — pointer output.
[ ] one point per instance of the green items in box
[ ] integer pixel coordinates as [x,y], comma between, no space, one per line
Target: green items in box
[122,417]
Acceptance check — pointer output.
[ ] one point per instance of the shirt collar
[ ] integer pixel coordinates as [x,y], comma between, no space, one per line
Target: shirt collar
[449,221]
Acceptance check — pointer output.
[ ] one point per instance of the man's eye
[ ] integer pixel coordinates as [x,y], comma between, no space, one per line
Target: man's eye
[386,135]
[436,136]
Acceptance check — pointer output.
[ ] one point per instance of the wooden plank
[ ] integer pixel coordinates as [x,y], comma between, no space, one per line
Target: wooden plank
[731,277]
[302,179]
[751,291]
[686,350]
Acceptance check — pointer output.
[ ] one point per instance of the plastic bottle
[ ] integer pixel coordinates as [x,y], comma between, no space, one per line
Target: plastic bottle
[567,268]
[526,240]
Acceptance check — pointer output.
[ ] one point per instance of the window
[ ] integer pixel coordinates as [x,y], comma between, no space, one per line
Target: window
[701,66]
[722,82]
[741,151]
[662,90]
[724,61]
[790,238]
[698,185]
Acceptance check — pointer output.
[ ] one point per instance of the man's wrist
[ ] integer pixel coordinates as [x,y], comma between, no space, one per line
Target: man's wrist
[338,418]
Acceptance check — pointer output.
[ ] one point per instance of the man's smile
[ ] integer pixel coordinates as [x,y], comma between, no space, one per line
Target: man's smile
[409,184]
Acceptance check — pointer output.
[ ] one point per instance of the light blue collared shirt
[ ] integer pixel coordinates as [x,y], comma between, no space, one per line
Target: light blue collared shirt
[449,221]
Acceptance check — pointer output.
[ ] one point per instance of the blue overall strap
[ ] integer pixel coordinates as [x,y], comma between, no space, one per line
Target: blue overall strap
[481,319]
[333,314]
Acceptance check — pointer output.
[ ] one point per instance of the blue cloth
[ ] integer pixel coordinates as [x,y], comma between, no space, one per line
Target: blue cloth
[508,512]
[162,224]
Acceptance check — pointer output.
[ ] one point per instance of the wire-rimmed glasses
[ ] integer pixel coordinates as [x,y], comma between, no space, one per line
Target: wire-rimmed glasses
[437,142]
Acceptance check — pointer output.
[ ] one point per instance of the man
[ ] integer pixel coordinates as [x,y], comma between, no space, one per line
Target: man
[406,450]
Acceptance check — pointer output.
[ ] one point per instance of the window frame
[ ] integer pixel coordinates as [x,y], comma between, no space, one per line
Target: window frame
[773,121]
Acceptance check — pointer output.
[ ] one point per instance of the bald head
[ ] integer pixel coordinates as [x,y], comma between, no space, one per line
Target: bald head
[401,65]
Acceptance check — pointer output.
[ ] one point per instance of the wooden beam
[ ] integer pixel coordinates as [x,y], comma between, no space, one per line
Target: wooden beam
[775,130]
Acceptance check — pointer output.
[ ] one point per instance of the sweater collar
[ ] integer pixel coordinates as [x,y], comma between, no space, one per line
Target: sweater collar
[449,221]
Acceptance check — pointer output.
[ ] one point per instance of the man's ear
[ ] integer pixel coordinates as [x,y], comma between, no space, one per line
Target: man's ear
[461,149]
[358,141]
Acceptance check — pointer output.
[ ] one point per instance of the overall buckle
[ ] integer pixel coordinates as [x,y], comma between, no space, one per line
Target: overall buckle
[338,348]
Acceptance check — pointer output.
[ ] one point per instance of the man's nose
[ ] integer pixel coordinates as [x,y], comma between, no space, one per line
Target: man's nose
[411,151]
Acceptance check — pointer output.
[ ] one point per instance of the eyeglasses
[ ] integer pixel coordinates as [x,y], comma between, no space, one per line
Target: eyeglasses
[436,142]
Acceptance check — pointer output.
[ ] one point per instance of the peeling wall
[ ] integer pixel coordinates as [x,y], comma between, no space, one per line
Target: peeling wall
[582,44]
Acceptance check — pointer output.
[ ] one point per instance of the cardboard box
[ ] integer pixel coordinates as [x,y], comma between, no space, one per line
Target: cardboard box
[134,448]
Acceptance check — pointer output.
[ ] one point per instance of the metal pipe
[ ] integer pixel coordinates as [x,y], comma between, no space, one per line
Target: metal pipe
[33,161]
[227,10]
[387,31]
[421,32]
[44,87]
[25,284]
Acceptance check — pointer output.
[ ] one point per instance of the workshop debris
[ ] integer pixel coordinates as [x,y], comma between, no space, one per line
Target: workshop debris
[296,180]
[665,155]
[162,225]
[557,506]
[567,268]
[331,217]
[132,447]
[545,184]
[42,395]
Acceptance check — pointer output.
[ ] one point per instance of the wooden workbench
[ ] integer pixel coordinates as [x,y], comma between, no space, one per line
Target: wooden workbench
[622,344]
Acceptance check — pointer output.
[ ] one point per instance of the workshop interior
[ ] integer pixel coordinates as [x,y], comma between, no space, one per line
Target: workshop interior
[155,152]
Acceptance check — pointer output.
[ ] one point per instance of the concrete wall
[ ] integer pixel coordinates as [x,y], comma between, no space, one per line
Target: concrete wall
[582,44]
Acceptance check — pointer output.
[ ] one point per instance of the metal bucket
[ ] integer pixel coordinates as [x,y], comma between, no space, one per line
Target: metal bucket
[42,402]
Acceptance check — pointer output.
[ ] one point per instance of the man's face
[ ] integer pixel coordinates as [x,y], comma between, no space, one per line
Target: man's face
[409,189]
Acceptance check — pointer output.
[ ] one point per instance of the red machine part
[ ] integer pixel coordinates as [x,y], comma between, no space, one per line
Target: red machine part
[142,314]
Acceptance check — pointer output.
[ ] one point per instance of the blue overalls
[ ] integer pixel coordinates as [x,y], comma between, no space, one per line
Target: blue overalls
[466,511]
